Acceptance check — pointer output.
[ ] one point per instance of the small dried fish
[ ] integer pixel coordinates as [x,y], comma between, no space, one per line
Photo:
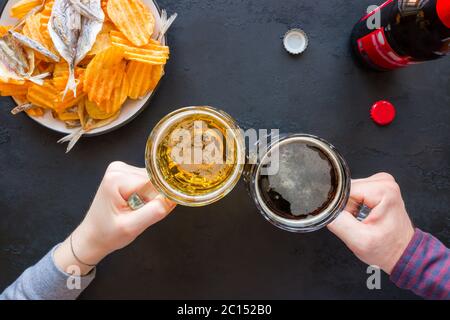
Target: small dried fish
[73,31]
[165,23]
[84,8]
[15,54]
[90,28]
[72,138]
[17,62]
[90,124]
[22,107]
[64,28]
[33,44]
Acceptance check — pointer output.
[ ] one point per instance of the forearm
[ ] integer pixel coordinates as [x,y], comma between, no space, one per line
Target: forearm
[45,281]
[424,267]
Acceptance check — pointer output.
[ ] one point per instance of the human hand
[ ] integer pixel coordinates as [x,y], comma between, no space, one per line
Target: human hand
[383,236]
[110,224]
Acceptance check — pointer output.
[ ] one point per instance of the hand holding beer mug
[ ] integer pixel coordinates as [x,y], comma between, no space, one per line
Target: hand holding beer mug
[300,183]
[109,225]
[384,235]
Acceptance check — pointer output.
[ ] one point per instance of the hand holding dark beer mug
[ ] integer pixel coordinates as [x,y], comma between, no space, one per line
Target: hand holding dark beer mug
[383,236]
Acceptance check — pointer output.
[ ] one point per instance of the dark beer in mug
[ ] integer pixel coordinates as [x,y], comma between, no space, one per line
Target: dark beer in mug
[308,190]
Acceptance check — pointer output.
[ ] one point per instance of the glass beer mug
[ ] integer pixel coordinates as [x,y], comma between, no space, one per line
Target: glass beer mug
[300,183]
[194,157]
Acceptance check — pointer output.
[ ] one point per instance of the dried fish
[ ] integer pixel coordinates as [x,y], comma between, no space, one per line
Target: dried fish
[165,23]
[22,107]
[33,44]
[64,28]
[17,62]
[90,28]
[15,54]
[73,34]
[84,8]
[90,124]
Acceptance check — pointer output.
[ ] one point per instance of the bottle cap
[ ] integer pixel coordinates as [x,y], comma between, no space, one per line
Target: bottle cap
[382,112]
[295,41]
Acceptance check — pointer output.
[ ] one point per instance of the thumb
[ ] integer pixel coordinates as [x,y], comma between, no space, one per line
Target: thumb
[151,213]
[347,228]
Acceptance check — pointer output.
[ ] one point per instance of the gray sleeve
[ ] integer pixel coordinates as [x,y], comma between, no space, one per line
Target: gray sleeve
[45,281]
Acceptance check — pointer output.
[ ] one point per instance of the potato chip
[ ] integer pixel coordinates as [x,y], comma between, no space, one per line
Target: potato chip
[102,42]
[44,96]
[67,115]
[81,110]
[62,69]
[60,84]
[119,96]
[68,102]
[4,30]
[9,89]
[20,98]
[95,112]
[102,74]
[21,8]
[61,76]
[47,96]
[143,78]
[152,53]
[35,112]
[108,26]
[32,29]
[133,19]
[44,18]
[92,124]
[110,107]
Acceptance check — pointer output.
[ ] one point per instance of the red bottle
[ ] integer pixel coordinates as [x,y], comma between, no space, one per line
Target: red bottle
[400,33]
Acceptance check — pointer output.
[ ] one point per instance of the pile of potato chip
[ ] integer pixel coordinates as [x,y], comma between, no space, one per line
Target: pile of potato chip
[125,62]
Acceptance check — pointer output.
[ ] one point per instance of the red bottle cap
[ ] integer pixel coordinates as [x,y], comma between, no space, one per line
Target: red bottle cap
[443,11]
[382,112]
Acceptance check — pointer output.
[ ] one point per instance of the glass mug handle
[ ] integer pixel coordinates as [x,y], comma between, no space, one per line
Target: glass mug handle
[359,210]
[139,198]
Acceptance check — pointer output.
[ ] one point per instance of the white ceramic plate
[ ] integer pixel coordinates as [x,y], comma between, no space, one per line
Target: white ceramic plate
[130,109]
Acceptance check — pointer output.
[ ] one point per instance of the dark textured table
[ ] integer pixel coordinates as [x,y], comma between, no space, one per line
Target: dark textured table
[228,54]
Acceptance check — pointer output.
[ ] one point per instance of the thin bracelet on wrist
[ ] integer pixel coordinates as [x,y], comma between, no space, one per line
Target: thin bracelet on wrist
[75,256]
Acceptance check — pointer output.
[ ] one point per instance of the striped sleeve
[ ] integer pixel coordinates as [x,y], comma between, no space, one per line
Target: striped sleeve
[424,267]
